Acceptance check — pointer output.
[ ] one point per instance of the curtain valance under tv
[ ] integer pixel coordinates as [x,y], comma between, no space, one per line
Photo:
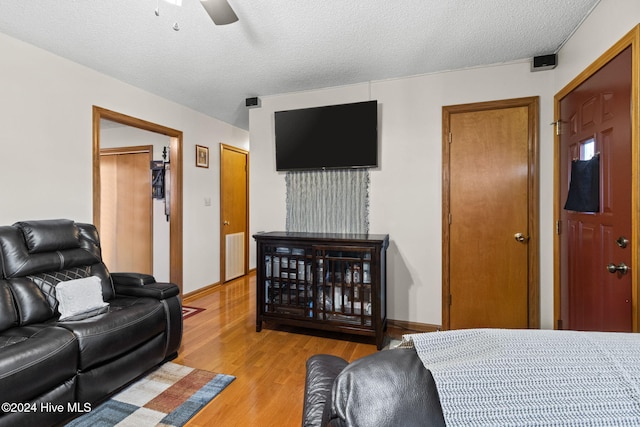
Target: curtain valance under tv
[328,201]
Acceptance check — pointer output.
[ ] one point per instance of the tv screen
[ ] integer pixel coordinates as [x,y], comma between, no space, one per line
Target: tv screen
[330,137]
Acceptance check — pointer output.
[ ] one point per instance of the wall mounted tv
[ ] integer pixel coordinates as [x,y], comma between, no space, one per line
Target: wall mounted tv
[329,137]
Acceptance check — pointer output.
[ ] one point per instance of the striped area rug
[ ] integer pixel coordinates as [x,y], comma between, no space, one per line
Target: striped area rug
[168,396]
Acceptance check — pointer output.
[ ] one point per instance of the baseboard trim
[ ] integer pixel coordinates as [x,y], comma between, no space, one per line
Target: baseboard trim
[206,290]
[397,328]
[199,293]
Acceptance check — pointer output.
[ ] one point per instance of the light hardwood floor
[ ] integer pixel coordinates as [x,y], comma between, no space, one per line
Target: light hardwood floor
[269,366]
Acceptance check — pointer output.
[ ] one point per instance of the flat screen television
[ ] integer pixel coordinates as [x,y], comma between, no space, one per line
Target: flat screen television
[330,137]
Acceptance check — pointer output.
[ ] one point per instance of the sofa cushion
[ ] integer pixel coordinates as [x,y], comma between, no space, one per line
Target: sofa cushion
[49,235]
[8,313]
[35,359]
[79,296]
[102,380]
[31,302]
[128,323]
[17,260]
[47,282]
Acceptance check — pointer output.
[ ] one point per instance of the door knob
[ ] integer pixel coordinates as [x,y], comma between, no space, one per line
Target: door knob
[225,223]
[622,268]
[521,238]
[622,242]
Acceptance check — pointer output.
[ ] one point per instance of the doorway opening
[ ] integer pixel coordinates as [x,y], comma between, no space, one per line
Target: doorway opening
[234,212]
[174,181]
[126,209]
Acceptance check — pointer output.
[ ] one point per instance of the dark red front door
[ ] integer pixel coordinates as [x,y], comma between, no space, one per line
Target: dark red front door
[596,121]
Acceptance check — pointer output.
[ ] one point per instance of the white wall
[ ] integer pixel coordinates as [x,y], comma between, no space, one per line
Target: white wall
[406,190]
[45,117]
[46,120]
[607,24]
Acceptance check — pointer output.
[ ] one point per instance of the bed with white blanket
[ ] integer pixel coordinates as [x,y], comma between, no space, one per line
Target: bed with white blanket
[495,377]
[484,377]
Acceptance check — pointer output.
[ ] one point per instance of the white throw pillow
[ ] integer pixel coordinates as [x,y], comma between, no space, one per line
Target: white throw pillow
[79,296]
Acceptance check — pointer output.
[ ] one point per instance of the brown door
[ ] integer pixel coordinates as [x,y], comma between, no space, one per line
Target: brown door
[126,226]
[234,170]
[596,121]
[490,263]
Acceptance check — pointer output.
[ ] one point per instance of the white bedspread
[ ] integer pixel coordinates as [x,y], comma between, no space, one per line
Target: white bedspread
[499,378]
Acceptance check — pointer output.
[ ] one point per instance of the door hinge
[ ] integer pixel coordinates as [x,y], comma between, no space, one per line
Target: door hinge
[558,227]
[450,138]
[449,299]
[450,218]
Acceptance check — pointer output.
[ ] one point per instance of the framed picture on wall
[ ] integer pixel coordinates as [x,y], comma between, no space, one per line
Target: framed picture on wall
[202,156]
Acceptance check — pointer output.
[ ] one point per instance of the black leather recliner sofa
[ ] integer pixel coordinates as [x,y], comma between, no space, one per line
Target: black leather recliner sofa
[386,389]
[79,361]
[485,377]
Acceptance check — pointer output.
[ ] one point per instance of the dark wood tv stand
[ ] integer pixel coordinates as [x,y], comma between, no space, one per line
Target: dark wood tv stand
[334,282]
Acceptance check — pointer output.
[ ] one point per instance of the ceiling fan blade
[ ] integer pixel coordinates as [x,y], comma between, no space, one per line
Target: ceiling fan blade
[220,11]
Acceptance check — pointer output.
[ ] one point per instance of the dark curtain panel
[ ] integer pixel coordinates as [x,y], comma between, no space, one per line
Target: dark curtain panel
[584,188]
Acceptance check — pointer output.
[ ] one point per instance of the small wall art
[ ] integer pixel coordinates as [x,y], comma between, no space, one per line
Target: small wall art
[202,156]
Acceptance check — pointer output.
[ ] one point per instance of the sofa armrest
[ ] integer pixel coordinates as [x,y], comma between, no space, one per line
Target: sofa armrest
[145,285]
[142,285]
[386,389]
[132,279]
[322,370]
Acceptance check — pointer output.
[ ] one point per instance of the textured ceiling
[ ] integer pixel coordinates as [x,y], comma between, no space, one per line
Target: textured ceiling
[281,46]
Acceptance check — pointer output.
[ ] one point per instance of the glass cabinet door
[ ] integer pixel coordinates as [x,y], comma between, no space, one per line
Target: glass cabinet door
[343,284]
[288,280]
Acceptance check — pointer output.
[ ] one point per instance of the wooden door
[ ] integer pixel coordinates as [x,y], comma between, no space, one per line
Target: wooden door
[126,227]
[490,205]
[234,211]
[595,120]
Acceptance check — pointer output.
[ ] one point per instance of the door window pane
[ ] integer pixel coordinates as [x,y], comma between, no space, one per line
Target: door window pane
[588,149]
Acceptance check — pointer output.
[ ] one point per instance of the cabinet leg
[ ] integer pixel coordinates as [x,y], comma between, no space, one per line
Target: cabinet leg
[258,326]
[380,340]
